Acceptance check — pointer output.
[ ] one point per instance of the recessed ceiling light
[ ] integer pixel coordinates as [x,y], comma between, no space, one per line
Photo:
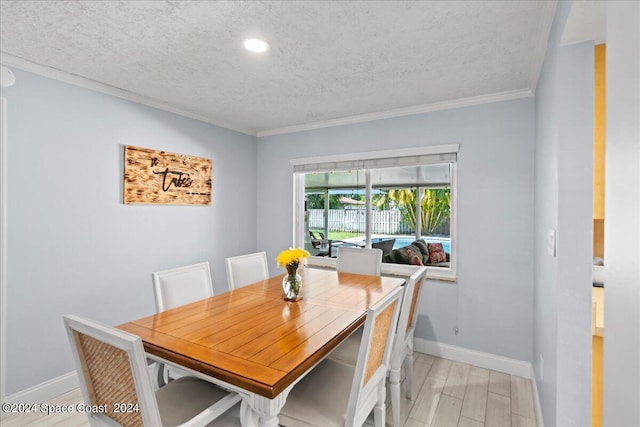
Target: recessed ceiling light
[255,45]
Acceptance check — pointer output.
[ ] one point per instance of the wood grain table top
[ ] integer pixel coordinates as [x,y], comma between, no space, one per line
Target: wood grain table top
[252,338]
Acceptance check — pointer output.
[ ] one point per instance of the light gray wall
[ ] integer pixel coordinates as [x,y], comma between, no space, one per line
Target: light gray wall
[575,234]
[73,247]
[492,300]
[563,202]
[621,388]
[546,217]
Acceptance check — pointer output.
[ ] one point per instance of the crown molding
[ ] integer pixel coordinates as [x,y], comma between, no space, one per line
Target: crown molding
[63,76]
[56,74]
[419,109]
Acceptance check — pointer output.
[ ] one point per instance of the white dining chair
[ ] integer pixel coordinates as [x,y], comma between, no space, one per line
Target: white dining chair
[173,288]
[359,261]
[114,381]
[336,394]
[347,351]
[182,285]
[243,270]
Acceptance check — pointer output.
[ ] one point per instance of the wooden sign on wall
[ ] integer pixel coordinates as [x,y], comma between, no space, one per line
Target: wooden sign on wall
[158,177]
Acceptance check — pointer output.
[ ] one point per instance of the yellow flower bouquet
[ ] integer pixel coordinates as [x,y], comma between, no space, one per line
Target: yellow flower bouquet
[291,259]
[291,256]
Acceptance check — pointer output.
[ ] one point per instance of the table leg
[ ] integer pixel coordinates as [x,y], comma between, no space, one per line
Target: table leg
[259,411]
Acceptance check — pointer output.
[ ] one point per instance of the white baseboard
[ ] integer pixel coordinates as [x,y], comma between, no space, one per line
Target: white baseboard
[48,390]
[473,357]
[536,398]
[45,391]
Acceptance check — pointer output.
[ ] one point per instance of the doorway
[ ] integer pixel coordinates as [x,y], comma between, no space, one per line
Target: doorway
[597,328]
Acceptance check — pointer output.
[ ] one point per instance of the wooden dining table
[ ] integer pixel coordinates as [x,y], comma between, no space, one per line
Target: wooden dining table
[252,341]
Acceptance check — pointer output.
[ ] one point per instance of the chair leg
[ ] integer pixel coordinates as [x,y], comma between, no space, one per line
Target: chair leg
[408,372]
[394,384]
[379,411]
[158,374]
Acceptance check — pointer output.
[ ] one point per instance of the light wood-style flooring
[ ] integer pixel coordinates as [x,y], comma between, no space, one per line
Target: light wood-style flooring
[445,393]
[449,394]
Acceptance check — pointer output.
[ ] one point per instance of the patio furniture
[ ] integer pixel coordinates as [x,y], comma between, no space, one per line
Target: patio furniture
[418,253]
[385,245]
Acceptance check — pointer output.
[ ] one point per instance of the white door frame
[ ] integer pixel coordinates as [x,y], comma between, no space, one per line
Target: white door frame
[3,248]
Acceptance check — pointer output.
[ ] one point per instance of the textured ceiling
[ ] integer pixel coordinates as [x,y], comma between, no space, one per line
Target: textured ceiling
[328,60]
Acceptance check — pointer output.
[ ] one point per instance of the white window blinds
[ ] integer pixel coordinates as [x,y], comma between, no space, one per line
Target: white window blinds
[378,159]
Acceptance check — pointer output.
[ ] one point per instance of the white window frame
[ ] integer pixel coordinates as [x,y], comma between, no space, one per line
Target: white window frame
[306,165]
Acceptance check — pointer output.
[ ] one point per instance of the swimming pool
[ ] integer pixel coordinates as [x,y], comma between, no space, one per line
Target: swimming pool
[401,242]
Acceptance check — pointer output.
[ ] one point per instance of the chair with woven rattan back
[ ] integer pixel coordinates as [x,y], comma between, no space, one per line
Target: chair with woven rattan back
[116,385]
[403,343]
[402,353]
[360,261]
[336,394]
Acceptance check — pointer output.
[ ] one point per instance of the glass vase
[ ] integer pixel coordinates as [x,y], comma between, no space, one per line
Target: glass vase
[291,284]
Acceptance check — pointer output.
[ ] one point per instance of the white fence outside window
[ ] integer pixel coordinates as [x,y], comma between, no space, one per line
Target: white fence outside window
[353,220]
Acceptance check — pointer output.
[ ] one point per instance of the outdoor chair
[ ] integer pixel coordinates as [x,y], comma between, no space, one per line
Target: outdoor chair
[359,260]
[385,245]
[313,236]
[336,394]
[113,377]
[243,270]
[347,351]
[321,245]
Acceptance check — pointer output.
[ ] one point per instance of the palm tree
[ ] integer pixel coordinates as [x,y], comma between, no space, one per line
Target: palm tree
[436,208]
[435,204]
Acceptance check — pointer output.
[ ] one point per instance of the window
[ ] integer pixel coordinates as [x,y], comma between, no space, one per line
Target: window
[385,199]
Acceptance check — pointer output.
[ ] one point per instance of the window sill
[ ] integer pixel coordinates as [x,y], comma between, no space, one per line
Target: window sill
[389,269]
[449,279]
[433,273]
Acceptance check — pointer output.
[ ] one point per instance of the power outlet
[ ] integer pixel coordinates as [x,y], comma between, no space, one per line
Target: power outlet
[541,367]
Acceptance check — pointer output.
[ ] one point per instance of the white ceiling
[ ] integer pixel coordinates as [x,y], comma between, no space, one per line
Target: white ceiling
[328,61]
